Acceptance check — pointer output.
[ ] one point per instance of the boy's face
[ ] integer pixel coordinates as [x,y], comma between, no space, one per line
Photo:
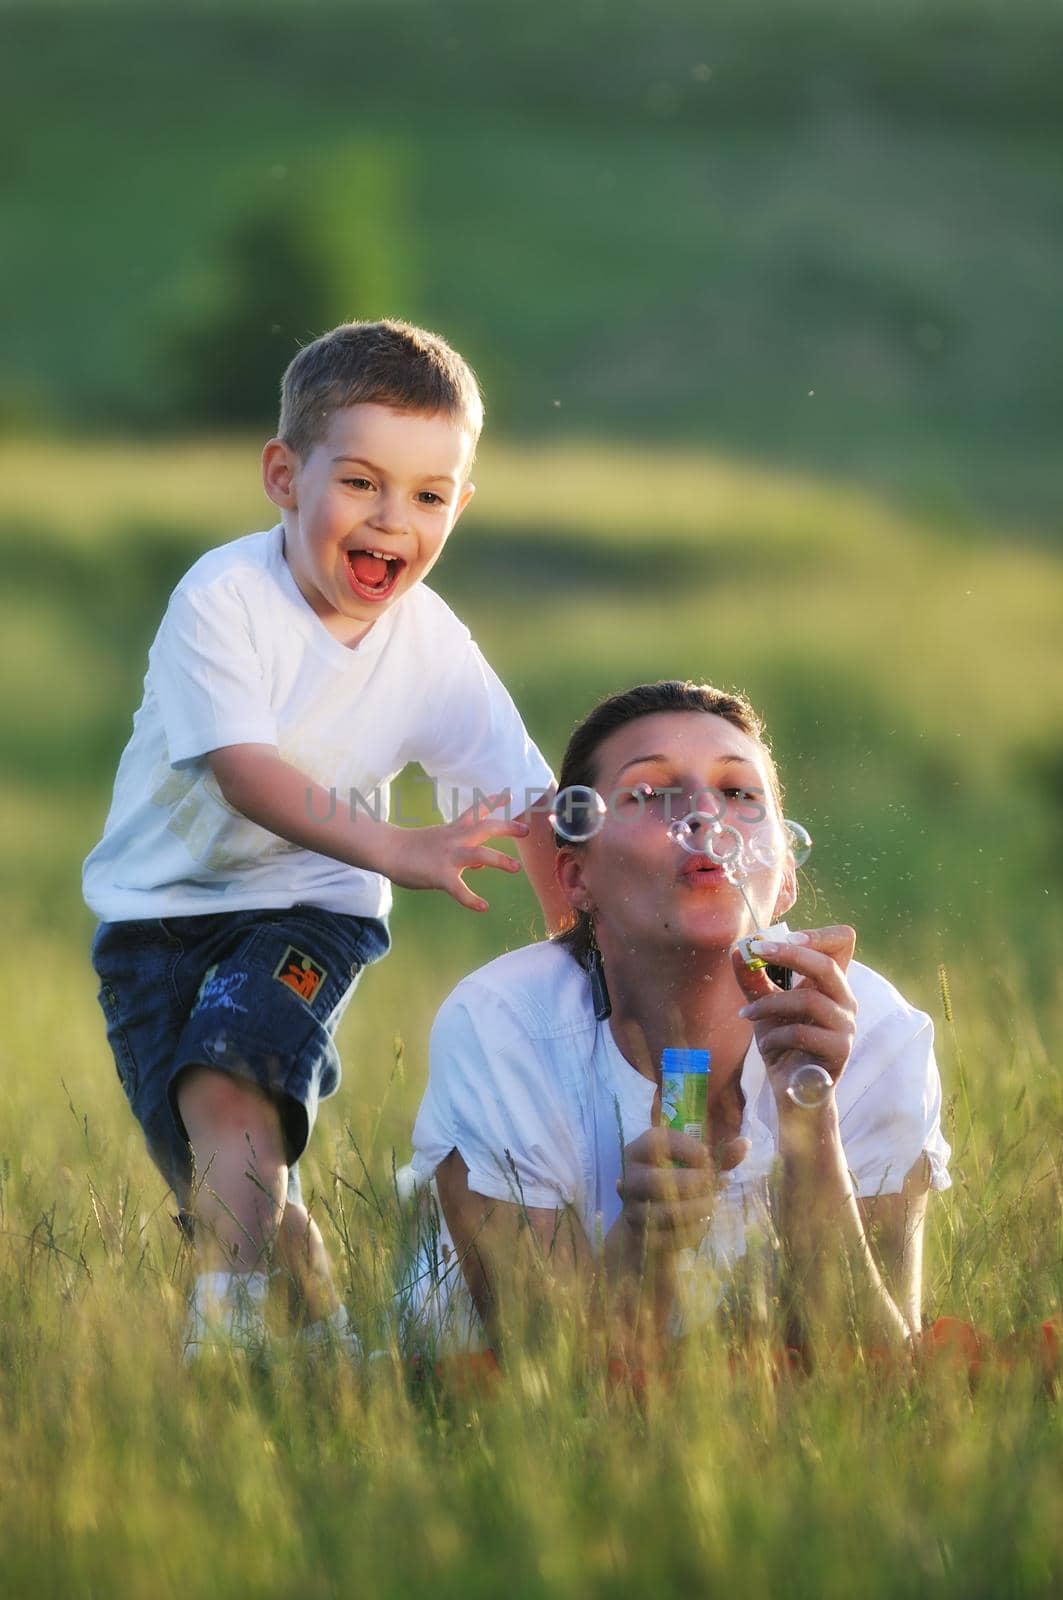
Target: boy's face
[367,514]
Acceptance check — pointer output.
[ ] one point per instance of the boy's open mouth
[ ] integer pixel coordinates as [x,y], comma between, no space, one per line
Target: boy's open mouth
[372,574]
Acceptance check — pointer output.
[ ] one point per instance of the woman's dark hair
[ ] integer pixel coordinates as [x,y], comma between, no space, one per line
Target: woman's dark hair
[580,761]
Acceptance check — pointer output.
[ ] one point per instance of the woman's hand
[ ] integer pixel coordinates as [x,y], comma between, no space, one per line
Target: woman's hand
[816,1021]
[669,1187]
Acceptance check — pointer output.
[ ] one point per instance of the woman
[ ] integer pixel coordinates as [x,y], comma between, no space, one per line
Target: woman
[539,1120]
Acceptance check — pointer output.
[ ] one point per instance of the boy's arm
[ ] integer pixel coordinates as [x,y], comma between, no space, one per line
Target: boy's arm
[538,852]
[262,786]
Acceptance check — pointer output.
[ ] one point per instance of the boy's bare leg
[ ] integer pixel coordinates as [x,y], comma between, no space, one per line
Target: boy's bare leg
[241,1206]
[302,1252]
[236,1137]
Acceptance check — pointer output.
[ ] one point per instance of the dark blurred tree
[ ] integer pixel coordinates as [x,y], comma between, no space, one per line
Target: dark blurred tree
[273,294]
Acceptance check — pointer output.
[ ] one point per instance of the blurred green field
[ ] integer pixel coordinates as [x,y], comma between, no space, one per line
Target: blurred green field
[817,231]
[909,677]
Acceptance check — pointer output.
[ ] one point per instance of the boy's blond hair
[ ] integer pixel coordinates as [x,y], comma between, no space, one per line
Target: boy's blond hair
[384,363]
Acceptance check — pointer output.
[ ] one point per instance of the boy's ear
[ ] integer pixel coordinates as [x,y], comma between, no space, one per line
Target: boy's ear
[280,464]
[467,492]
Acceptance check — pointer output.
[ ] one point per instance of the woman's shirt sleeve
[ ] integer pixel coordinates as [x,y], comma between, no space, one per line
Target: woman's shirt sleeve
[889,1101]
[492,1098]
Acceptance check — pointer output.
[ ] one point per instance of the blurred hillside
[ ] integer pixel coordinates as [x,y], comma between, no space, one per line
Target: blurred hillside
[818,231]
[916,721]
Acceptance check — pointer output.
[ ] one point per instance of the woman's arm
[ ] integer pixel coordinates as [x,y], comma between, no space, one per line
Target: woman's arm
[831,1266]
[894,1225]
[833,1270]
[534,1254]
[500,1243]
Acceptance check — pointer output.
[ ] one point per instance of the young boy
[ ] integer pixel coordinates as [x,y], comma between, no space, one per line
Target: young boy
[244,876]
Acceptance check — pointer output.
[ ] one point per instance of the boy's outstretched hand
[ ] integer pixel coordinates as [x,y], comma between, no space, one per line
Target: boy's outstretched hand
[256,781]
[435,857]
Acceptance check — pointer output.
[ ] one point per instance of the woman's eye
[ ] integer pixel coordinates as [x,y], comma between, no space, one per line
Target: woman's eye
[749,804]
[645,791]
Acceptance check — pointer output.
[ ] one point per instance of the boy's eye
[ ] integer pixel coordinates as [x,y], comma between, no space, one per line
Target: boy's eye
[358,483]
[430,498]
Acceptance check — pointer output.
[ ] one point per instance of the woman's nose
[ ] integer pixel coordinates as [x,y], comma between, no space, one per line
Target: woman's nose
[702,820]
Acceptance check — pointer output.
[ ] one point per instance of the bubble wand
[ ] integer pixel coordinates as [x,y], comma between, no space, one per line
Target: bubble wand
[810,1084]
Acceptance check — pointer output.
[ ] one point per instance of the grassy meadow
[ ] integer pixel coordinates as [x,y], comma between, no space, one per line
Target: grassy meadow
[908,672]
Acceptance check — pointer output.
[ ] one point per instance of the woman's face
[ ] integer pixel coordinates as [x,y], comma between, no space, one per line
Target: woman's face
[642,887]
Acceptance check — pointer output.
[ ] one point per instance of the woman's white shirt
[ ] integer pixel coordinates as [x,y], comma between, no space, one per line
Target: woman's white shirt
[534,1094]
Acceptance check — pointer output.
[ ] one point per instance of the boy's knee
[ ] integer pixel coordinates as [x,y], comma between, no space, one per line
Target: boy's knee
[299,1235]
[295,1224]
[218,1100]
[302,1252]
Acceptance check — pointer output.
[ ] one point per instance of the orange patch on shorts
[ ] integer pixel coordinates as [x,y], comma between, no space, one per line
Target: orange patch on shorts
[299,973]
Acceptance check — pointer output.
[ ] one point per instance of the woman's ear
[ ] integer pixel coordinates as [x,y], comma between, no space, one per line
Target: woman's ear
[568,870]
[787,896]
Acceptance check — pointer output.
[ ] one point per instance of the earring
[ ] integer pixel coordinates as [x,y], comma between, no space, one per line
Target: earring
[603,1006]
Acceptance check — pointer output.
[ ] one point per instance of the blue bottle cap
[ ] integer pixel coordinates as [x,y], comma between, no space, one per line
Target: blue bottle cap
[685,1061]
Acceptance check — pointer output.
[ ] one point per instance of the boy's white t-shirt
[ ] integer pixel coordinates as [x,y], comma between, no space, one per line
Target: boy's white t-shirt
[535,1095]
[241,658]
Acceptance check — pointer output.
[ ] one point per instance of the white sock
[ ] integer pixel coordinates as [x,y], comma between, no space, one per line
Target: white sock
[335,1329]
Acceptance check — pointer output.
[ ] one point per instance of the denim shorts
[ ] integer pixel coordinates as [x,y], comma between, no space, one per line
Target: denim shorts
[258,994]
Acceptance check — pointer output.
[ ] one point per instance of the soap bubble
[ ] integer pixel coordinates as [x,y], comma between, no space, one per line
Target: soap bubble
[810,1086]
[724,844]
[766,847]
[685,832]
[578,813]
[701,835]
[800,842]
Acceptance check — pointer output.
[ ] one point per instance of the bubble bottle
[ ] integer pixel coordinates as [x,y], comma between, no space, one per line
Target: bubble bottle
[685,1091]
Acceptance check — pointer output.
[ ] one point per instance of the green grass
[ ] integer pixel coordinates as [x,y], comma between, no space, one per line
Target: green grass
[909,679]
